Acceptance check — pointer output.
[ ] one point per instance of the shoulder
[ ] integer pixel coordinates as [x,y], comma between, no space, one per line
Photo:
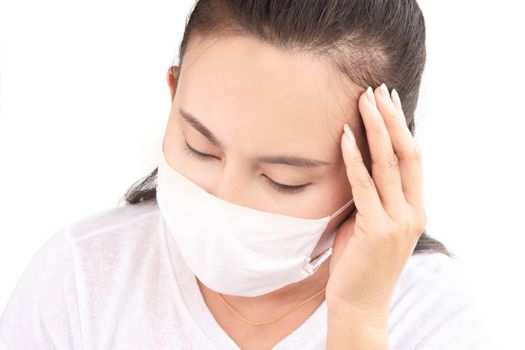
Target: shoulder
[40,304]
[431,268]
[433,306]
[116,239]
[113,220]
[42,310]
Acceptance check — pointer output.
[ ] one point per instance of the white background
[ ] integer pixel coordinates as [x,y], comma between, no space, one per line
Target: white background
[84,102]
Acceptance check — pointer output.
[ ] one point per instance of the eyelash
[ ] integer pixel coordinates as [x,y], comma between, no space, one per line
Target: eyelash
[192,152]
[287,189]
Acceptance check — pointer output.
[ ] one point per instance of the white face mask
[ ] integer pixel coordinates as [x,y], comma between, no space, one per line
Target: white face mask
[234,249]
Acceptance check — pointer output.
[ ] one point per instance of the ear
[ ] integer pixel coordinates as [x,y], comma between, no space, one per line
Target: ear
[173,78]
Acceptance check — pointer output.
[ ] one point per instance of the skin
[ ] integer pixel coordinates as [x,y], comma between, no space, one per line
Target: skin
[261,101]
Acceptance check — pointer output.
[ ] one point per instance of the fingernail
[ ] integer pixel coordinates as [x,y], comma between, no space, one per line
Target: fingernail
[384,90]
[396,99]
[370,96]
[349,135]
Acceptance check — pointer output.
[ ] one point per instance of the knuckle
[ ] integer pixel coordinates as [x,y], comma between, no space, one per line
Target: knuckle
[392,161]
[390,232]
[399,116]
[412,153]
[407,223]
[388,228]
[366,183]
[418,223]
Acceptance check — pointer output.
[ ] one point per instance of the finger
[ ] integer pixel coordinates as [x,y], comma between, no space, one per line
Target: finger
[408,154]
[364,192]
[385,170]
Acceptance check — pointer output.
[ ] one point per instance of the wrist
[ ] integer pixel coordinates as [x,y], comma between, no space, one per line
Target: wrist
[356,337]
[355,327]
[373,312]
[357,334]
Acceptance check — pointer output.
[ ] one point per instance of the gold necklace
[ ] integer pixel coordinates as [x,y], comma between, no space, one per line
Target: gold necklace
[258,323]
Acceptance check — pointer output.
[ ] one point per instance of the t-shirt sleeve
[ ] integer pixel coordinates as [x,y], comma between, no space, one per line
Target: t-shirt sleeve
[41,312]
[434,308]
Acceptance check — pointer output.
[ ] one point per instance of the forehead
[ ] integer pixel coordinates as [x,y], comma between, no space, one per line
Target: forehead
[265,97]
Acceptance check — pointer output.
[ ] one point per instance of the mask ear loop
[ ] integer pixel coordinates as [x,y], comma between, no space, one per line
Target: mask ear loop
[314,264]
[338,211]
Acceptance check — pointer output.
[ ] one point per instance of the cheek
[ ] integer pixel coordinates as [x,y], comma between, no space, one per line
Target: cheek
[329,195]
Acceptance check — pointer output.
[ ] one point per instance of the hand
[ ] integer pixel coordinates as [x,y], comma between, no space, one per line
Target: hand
[372,247]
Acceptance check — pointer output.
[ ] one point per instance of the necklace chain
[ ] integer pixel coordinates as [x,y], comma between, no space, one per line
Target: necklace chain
[258,323]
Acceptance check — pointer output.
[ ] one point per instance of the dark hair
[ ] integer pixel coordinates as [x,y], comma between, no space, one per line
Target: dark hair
[369,41]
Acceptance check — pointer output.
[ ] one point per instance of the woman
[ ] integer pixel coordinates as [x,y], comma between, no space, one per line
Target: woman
[286,210]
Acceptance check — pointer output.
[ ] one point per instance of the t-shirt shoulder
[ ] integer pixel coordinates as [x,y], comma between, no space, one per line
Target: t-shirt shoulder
[42,310]
[43,300]
[112,219]
[433,308]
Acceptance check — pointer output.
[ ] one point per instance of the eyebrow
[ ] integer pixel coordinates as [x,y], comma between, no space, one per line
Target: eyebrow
[286,160]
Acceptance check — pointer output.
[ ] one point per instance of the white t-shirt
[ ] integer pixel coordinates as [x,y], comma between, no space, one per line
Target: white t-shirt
[115,280]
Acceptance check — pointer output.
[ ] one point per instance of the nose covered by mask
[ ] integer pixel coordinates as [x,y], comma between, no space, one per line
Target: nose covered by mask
[234,249]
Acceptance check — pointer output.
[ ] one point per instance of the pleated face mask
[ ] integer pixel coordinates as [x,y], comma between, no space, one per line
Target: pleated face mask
[234,249]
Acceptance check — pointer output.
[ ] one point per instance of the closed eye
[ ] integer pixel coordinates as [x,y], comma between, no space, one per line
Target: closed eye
[194,153]
[287,189]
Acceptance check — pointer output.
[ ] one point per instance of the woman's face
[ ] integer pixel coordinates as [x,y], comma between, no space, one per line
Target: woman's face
[266,120]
